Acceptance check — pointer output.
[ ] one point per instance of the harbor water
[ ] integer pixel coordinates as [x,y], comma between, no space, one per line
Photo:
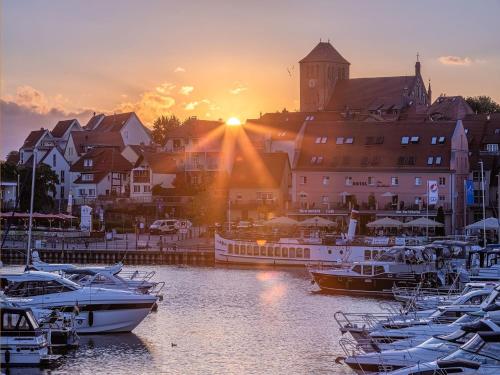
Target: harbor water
[224,321]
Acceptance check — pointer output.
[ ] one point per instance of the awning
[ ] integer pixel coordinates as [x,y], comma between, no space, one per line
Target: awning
[385,222]
[317,221]
[489,223]
[423,222]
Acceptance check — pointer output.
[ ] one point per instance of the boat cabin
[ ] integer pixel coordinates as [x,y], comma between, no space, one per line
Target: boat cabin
[18,321]
[34,283]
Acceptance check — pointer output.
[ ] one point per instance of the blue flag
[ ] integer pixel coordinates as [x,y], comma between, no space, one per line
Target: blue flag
[469,191]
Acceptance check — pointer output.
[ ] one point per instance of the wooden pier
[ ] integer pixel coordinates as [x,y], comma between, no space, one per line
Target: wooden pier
[200,257]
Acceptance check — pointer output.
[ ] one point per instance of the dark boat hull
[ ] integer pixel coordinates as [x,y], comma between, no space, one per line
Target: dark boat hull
[380,285]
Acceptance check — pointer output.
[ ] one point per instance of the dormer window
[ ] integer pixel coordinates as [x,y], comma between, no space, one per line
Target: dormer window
[434,140]
[442,140]
[349,141]
[324,139]
[87,177]
[340,140]
[405,140]
[438,160]
[430,160]
[87,162]
[318,140]
[415,139]
[313,160]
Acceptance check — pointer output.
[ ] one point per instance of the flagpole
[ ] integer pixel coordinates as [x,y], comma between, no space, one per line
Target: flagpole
[465,204]
[30,226]
[484,208]
[427,215]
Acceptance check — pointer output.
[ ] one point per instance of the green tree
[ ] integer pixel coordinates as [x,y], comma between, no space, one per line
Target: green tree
[162,126]
[45,188]
[483,104]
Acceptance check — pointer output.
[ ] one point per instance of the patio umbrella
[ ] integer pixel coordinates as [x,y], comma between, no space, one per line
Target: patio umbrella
[317,221]
[489,223]
[386,222]
[388,194]
[281,221]
[422,222]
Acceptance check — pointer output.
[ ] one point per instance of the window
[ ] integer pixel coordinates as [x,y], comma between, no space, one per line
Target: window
[320,160]
[349,141]
[430,160]
[418,181]
[87,177]
[87,162]
[340,140]
[249,250]
[492,147]
[318,140]
[434,140]
[348,181]
[442,140]
[82,192]
[324,139]
[371,180]
[54,160]
[415,139]
[263,251]
[476,176]
[497,131]
[62,192]
[61,175]
[438,160]
[256,250]
[357,268]
[379,270]
[326,180]
[92,192]
[325,199]
[313,160]
[367,270]
[478,196]
[307,253]
[303,180]
[284,252]
[292,252]
[137,188]
[147,188]
[299,252]
[277,252]
[236,249]
[441,197]
[405,140]
[442,181]
[394,181]
[230,248]
[270,252]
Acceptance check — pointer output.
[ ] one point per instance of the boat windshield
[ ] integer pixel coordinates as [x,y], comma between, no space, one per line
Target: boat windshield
[459,336]
[34,288]
[490,359]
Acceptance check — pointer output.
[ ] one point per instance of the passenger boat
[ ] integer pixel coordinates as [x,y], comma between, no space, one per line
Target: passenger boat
[23,343]
[103,310]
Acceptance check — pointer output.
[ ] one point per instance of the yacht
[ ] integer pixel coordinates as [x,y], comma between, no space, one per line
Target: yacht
[23,343]
[480,355]
[435,347]
[38,265]
[103,310]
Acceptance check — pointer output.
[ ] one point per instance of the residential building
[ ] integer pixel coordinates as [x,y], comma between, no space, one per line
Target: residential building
[130,127]
[54,158]
[150,170]
[381,168]
[39,140]
[102,173]
[8,194]
[79,143]
[259,186]
[62,131]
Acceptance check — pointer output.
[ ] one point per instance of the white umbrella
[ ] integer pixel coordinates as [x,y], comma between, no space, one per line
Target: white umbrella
[422,222]
[490,223]
[388,194]
[317,221]
[344,194]
[281,221]
[386,222]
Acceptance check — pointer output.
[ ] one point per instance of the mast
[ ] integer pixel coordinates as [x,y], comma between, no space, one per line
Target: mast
[28,250]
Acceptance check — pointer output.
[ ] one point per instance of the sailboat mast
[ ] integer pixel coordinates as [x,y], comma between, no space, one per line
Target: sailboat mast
[28,250]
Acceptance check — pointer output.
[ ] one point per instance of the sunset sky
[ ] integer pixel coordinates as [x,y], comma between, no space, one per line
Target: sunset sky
[217,59]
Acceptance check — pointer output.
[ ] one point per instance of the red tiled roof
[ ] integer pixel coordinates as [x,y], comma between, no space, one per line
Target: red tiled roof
[267,172]
[480,132]
[113,123]
[449,108]
[324,51]
[375,146]
[33,138]
[371,93]
[103,160]
[194,128]
[159,162]
[94,121]
[84,139]
[61,128]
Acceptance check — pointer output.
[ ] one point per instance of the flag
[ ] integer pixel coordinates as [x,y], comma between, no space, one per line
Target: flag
[69,209]
[432,192]
[469,192]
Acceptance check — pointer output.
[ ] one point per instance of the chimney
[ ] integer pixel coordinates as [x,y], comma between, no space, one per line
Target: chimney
[417,66]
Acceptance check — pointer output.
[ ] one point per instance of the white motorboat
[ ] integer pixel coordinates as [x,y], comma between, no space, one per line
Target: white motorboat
[38,265]
[108,280]
[103,310]
[23,343]
[435,347]
[480,355]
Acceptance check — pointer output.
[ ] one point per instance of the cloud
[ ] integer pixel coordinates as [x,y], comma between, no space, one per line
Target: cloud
[31,110]
[238,89]
[191,106]
[179,69]
[455,60]
[186,90]
[150,105]
[165,88]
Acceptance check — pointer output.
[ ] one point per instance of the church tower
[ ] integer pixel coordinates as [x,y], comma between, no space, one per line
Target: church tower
[320,71]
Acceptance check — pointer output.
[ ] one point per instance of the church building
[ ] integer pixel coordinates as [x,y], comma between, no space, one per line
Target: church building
[326,85]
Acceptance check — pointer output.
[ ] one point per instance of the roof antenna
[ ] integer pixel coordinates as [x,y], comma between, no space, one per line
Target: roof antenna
[418,56]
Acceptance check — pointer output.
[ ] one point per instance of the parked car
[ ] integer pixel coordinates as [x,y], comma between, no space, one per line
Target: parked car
[168,226]
[244,225]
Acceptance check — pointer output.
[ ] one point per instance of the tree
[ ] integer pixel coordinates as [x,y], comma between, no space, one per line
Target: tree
[483,104]
[162,126]
[440,219]
[45,187]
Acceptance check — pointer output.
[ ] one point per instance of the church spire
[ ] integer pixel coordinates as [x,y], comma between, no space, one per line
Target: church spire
[417,65]
[429,93]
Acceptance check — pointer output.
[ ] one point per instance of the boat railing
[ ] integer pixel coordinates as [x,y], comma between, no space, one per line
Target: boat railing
[136,275]
[365,321]
[352,347]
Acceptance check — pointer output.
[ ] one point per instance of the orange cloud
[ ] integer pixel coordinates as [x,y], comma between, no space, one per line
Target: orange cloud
[455,60]
[179,69]
[186,90]
[150,106]
[238,89]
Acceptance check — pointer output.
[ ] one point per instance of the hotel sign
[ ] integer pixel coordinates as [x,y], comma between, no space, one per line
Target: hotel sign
[315,211]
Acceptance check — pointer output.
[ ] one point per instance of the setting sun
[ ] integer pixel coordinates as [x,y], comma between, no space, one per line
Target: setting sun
[233,121]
